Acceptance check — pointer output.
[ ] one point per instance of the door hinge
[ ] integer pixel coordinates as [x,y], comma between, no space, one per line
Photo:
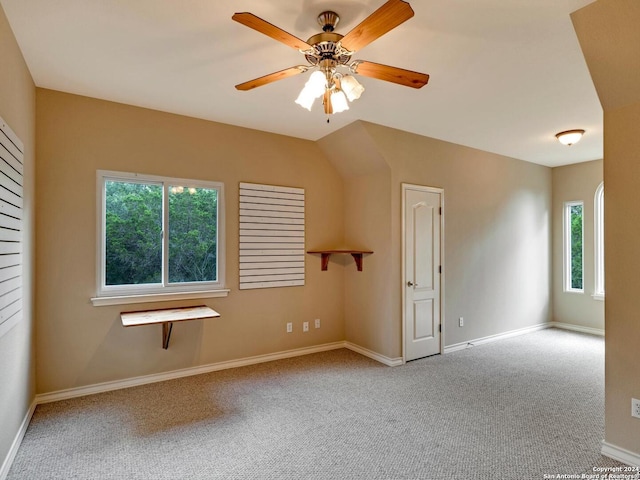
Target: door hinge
[440,269]
[440,210]
[440,328]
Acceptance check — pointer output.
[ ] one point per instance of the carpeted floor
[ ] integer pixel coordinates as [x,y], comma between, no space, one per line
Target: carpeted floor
[518,408]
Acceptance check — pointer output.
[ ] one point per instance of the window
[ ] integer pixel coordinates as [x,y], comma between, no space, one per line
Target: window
[573,253]
[598,293]
[159,236]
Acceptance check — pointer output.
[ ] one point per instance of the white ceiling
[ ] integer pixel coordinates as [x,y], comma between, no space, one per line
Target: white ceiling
[506,75]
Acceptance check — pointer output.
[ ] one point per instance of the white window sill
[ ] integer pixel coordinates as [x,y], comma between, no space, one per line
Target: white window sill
[157,297]
[598,296]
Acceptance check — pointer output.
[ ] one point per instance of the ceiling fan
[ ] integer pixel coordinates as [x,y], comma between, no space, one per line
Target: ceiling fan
[327,52]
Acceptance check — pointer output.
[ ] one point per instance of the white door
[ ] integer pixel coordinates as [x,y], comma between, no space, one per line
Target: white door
[422,270]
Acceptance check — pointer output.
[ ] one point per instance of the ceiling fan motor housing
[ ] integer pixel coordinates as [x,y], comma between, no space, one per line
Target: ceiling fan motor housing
[325,46]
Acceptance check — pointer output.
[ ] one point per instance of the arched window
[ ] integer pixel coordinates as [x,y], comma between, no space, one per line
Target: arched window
[599,242]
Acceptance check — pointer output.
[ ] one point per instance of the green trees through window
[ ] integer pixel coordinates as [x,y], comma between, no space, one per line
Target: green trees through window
[573,251]
[136,213]
[576,247]
[133,233]
[192,234]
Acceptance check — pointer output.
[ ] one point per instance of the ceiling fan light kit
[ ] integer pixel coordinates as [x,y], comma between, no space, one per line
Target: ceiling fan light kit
[314,88]
[569,137]
[329,51]
[337,100]
[351,87]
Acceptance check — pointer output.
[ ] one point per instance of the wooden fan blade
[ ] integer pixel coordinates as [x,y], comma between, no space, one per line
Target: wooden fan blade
[262,26]
[386,18]
[397,75]
[272,77]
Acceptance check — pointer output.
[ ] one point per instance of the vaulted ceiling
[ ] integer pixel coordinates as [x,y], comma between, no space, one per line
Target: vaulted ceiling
[506,75]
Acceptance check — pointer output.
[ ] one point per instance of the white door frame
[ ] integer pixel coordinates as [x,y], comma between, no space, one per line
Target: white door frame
[405,187]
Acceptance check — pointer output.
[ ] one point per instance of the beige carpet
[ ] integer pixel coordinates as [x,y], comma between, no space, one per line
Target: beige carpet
[519,408]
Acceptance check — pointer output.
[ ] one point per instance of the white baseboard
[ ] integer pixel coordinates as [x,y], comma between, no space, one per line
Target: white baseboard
[213,367]
[11,455]
[493,338]
[620,454]
[184,372]
[577,328]
[390,362]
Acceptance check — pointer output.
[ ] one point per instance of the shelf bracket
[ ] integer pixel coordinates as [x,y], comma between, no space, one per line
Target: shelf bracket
[358,258]
[167,327]
[325,261]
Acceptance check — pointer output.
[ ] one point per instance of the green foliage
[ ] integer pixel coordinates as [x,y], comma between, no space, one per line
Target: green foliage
[576,246]
[192,235]
[134,234]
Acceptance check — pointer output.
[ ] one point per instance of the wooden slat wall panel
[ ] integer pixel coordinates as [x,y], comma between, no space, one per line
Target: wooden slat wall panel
[11,203]
[271,236]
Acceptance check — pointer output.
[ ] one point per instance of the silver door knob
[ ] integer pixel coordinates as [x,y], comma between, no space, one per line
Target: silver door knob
[411,284]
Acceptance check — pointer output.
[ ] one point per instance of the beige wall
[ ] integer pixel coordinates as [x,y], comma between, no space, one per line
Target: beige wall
[610,40]
[369,319]
[576,182]
[497,235]
[369,316]
[17,365]
[79,344]
[622,267]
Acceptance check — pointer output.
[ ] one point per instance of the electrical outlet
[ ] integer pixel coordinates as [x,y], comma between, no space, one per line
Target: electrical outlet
[289,327]
[305,326]
[461,322]
[635,407]
[317,323]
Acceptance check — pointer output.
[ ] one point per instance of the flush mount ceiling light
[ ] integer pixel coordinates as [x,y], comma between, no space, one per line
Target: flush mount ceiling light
[327,52]
[569,137]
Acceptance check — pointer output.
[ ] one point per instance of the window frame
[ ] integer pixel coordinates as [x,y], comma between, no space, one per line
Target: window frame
[598,209]
[137,293]
[566,228]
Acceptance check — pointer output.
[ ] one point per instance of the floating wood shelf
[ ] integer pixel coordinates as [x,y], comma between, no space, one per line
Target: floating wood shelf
[166,317]
[356,254]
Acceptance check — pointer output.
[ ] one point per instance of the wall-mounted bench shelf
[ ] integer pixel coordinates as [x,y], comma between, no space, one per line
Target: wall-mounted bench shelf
[356,254]
[166,317]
